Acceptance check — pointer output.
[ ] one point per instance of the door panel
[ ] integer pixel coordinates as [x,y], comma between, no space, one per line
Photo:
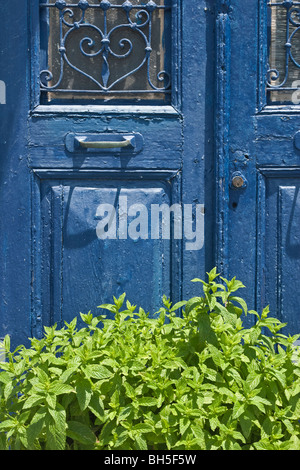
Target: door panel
[95,234]
[281,206]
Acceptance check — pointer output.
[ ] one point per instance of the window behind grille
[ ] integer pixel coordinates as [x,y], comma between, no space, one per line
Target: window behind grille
[106,50]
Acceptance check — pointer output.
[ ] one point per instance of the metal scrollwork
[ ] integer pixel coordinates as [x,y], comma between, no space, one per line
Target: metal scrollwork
[279,80]
[97,42]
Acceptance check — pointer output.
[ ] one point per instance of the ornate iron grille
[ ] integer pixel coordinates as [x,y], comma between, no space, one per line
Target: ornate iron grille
[106,49]
[283,74]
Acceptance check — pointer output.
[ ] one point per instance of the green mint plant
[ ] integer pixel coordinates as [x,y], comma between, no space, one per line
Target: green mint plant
[198,380]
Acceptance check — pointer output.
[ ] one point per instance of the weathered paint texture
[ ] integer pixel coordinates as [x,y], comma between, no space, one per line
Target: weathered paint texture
[53,265]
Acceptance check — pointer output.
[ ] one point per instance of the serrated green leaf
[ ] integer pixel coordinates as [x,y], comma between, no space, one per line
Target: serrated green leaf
[258,399]
[184,424]
[178,305]
[212,274]
[96,371]
[295,442]
[6,377]
[174,364]
[7,424]
[42,376]
[143,428]
[51,400]
[246,424]
[198,431]
[226,391]
[60,388]
[3,442]
[211,300]
[193,303]
[123,443]
[8,389]
[238,410]
[110,307]
[214,423]
[252,381]
[80,432]
[236,376]
[213,375]
[33,401]
[264,444]
[55,439]
[147,401]
[97,407]
[68,372]
[216,355]
[241,302]
[119,302]
[86,317]
[196,279]
[140,443]
[83,393]
[108,429]
[35,427]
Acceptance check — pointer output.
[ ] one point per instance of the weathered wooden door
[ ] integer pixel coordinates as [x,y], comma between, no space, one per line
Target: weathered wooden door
[258,152]
[105,127]
[122,122]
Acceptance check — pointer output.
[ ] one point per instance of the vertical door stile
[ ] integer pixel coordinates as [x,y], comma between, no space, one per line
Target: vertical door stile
[36,317]
[261,241]
[222,134]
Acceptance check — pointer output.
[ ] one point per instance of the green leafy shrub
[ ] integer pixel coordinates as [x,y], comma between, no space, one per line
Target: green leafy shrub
[196,381]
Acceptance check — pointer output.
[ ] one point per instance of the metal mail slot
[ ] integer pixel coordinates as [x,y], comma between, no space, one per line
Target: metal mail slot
[106,143]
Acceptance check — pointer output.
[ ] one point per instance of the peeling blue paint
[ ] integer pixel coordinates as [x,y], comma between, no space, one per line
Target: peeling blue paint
[218,123]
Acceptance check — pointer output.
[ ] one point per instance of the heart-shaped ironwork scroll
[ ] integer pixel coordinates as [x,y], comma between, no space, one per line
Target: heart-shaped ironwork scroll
[97,42]
[282,74]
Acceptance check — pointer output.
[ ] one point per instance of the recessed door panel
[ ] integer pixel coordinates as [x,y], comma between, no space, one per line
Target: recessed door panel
[280,243]
[99,235]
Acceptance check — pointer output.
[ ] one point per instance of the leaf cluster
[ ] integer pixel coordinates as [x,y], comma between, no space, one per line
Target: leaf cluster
[191,378]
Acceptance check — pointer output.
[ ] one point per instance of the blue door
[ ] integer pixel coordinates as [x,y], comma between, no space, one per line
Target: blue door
[103,141]
[143,143]
[258,152]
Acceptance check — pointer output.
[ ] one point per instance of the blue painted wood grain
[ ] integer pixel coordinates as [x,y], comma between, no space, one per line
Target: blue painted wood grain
[52,264]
